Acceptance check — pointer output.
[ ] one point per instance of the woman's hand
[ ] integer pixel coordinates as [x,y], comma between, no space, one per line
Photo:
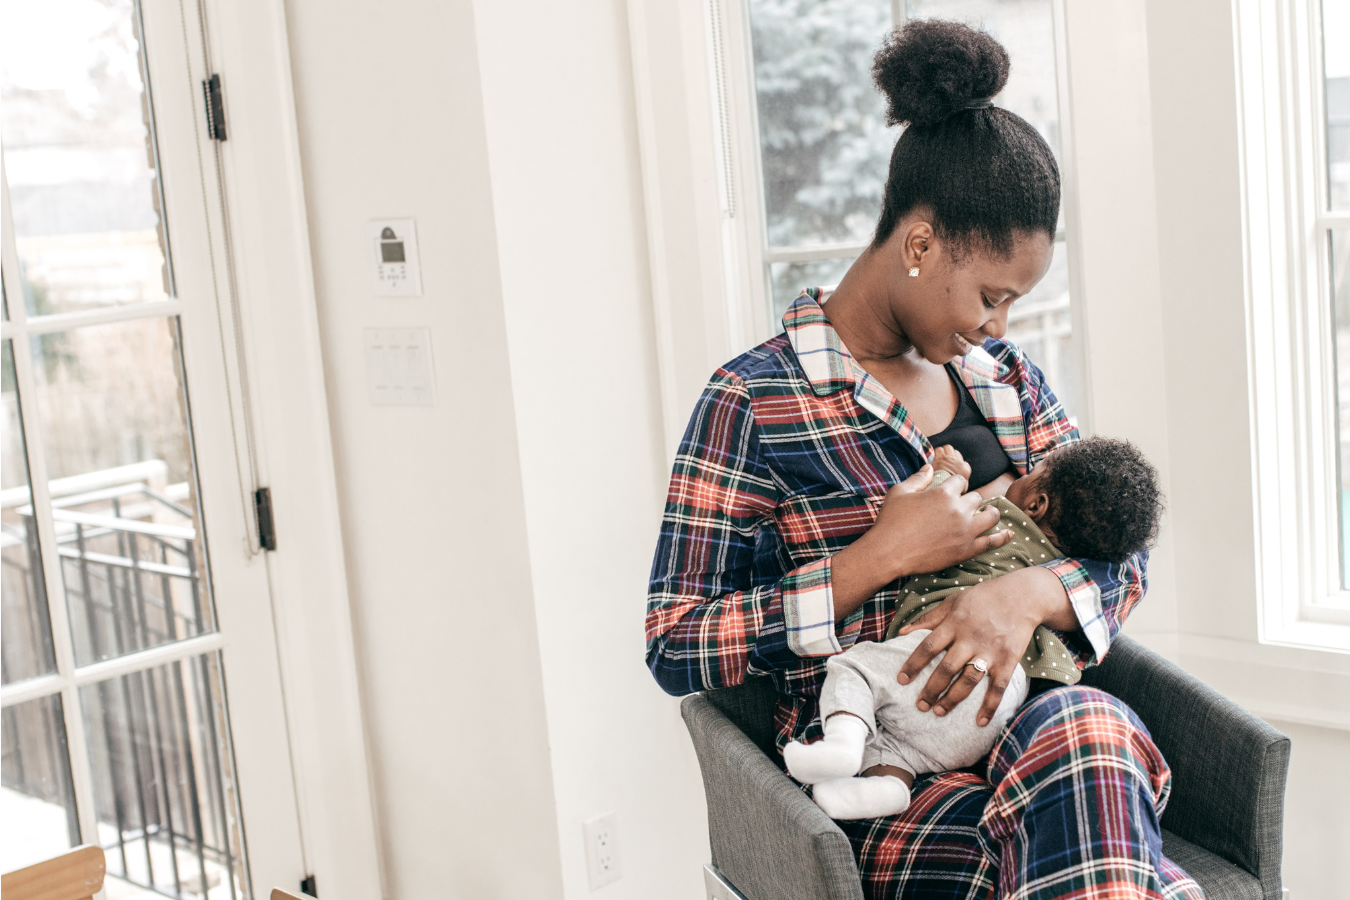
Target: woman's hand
[927,531]
[993,621]
[915,531]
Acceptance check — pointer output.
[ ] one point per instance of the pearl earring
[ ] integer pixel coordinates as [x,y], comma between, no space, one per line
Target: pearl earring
[914,272]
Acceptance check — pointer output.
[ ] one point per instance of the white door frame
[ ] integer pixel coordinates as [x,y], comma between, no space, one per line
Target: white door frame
[248,47]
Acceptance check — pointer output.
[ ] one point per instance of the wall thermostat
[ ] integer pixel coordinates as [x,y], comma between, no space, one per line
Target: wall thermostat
[393,258]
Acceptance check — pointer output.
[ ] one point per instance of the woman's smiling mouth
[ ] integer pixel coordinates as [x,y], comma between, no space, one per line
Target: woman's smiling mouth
[964,345]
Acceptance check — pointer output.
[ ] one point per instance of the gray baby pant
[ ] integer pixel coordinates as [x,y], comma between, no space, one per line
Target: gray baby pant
[861,681]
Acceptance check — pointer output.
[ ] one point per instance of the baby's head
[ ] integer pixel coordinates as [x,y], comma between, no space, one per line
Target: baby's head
[1094,499]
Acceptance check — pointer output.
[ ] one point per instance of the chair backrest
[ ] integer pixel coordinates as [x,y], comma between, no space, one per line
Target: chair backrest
[77,875]
[750,707]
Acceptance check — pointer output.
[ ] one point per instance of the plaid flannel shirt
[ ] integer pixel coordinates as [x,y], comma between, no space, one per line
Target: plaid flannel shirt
[786,460]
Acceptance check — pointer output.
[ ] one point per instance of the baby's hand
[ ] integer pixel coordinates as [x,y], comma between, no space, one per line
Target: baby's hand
[949,459]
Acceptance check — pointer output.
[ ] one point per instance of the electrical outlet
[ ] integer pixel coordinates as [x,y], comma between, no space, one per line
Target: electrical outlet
[602,849]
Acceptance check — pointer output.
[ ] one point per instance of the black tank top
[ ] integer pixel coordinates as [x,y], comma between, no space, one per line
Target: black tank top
[972,437]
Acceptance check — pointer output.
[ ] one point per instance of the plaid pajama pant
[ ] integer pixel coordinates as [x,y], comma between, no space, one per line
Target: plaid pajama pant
[1069,809]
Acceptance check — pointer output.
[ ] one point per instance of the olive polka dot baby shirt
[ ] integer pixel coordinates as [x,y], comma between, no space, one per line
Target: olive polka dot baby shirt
[1046,656]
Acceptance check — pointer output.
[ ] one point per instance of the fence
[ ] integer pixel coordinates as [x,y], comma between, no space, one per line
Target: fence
[132,577]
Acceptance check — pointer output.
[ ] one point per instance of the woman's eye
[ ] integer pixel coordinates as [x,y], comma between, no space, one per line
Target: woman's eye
[987,303]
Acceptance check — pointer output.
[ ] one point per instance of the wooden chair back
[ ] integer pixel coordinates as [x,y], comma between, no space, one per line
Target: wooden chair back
[77,875]
[283,894]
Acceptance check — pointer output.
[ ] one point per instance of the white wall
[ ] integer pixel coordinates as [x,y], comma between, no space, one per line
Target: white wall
[1109,194]
[391,125]
[499,543]
[1317,831]
[1199,233]
[568,206]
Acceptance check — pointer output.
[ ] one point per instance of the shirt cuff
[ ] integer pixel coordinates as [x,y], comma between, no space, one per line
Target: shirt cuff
[808,610]
[1086,599]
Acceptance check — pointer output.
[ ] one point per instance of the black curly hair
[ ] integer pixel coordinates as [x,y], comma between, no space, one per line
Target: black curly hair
[985,173]
[1104,499]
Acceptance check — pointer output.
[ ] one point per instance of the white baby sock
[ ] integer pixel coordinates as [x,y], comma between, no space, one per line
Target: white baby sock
[837,756]
[862,798]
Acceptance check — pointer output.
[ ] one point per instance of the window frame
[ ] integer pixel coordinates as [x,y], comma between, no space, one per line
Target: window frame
[693,96]
[1291,350]
[742,198]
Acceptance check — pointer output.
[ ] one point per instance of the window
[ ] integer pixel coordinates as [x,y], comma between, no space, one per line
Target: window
[1333,229]
[812,132]
[1294,76]
[115,473]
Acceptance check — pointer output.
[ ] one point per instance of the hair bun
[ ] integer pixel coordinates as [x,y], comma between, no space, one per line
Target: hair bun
[930,68]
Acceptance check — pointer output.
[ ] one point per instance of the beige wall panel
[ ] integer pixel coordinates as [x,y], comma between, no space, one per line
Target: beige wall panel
[391,125]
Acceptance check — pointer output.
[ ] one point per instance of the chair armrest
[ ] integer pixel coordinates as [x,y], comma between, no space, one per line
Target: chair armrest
[1228,766]
[767,837]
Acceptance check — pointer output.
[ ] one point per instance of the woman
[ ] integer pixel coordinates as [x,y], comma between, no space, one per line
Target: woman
[796,509]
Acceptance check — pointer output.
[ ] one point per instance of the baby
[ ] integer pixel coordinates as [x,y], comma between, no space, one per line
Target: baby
[1095,499]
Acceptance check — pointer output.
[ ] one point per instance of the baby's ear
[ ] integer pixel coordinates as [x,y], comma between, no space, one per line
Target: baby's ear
[1038,504]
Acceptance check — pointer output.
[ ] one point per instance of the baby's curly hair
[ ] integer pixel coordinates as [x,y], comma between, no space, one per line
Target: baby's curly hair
[1104,499]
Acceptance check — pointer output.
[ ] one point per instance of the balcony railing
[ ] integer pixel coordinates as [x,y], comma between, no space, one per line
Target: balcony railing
[132,576]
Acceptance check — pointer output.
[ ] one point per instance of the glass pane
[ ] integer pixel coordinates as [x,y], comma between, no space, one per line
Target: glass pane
[1336,56]
[37,802]
[163,787]
[823,140]
[1340,309]
[1041,324]
[25,629]
[110,402]
[77,154]
[789,278]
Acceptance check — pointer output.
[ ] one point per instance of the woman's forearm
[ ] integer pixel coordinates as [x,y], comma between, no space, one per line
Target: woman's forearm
[857,572]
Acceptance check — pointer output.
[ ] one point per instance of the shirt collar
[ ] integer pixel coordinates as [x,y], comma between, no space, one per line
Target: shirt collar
[829,368]
[824,359]
[828,365]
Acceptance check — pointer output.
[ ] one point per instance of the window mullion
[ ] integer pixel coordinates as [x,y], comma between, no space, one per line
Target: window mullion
[14,693]
[63,644]
[158,309]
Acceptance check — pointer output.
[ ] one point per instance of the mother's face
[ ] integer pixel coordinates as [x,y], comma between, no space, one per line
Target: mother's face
[953,305]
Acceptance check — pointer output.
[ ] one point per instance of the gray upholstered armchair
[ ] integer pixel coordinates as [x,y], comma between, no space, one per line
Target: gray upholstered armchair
[1223,824]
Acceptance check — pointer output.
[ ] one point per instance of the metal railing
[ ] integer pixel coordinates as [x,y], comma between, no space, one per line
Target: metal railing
[132,580]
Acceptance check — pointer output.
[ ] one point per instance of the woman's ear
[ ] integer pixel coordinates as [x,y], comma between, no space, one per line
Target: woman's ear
[919,245]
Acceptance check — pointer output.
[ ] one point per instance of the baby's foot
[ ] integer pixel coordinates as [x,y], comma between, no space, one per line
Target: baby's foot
[862,798]
[838,755]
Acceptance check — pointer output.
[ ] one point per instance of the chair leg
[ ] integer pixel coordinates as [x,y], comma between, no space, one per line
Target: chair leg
[718,887]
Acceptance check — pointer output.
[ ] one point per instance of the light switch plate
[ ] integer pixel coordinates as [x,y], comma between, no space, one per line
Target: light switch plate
[395,268]
[399,366]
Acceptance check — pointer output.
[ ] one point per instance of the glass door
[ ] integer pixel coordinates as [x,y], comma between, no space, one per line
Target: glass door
[130,563]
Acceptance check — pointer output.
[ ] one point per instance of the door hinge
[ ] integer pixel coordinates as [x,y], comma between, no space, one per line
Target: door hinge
[215,108]
[267,531]
[307,886]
